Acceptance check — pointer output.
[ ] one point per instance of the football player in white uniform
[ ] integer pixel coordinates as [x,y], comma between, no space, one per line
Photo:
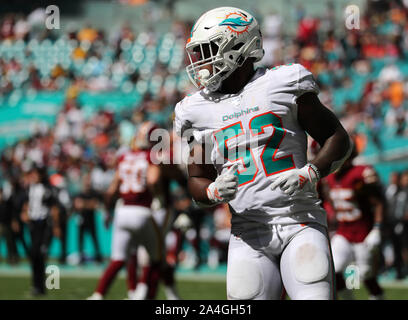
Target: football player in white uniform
[249,149]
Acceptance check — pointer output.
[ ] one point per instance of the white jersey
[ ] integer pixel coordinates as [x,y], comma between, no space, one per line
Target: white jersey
[257,128]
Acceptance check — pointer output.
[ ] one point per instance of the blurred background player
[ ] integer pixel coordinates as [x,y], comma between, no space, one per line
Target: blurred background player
[16,199]
[41,214]
[6,231]
[86,203]
[136,181]
[394,223]
[359,205]
[400,230]
[164,212]
[61,211]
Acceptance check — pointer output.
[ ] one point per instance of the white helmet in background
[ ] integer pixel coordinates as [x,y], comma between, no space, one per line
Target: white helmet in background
[220,42]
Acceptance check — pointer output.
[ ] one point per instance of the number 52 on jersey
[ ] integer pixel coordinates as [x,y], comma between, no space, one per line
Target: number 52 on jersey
[270,163]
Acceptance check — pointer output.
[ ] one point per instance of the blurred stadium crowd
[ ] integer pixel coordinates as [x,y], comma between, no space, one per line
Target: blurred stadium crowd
[362,73]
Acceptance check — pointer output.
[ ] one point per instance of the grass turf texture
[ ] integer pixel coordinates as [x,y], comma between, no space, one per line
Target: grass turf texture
[18,287]
[81,288]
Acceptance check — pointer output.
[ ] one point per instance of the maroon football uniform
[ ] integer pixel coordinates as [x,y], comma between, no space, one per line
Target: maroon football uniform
[350,193]
[132,168]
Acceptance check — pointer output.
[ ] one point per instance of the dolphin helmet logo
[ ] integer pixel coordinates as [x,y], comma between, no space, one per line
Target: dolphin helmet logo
[236,22]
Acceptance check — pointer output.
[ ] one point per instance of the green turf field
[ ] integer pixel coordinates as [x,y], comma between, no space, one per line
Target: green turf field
[80,288]
[17,287]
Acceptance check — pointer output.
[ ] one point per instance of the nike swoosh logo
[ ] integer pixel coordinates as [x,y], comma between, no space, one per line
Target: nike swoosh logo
[207,28]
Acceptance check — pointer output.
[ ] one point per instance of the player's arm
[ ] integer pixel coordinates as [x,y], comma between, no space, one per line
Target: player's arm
[375,194]
[24,213]
[55,217]
[378,206]
[200,174]
[23,216]
[323,126]
[55,211]
[373,239]
[109,199]
[92,203]
[203,184]
[112,192]
[153,178]
[78,203]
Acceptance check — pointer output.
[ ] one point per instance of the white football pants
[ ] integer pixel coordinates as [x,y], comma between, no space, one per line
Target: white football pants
[345,253]
[134,226]
[265,259]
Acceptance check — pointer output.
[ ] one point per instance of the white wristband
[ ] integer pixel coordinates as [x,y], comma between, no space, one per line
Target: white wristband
[316,170]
